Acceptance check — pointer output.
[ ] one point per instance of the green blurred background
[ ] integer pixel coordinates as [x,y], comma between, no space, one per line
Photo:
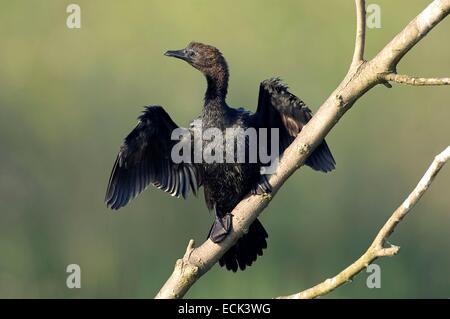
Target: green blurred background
[68,97]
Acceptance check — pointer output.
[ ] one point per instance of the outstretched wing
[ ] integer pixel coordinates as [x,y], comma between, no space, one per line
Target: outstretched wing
[144,158]
[278,108]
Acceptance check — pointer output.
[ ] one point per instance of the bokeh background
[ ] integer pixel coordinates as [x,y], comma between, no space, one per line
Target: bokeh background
[68,97]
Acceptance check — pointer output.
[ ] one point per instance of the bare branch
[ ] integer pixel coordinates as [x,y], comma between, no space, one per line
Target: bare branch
[358,81]
[358,54]
[410,80]
[377,248]
[416,30]
[186,274]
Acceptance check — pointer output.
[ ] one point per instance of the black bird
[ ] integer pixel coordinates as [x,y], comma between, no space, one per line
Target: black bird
[145,156]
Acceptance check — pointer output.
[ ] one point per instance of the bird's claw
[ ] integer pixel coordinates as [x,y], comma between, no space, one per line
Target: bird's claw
[221,228]
[262,188]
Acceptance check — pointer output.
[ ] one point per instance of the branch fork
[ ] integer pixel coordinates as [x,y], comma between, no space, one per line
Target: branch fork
[377,249]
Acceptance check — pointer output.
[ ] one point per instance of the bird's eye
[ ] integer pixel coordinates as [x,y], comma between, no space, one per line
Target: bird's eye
[190,53]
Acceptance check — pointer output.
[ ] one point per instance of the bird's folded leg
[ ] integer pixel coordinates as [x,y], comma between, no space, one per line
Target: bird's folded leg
[262,187]
[220,228]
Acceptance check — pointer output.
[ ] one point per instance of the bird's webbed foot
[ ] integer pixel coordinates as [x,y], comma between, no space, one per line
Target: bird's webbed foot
[220,228]
[262,187]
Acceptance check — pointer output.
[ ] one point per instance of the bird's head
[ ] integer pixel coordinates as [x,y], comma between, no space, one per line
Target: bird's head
[205,58]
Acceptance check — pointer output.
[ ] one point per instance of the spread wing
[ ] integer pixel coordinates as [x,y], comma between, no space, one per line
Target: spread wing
[144,158]
[278,108]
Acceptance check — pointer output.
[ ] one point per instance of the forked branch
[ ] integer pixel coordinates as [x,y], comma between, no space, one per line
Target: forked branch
[378,247]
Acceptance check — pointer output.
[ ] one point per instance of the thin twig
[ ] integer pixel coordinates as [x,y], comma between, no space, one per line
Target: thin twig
[358,54]
[416,81]
[377,248]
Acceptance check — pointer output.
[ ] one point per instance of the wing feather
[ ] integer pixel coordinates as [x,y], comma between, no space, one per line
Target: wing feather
[144,158]
[278,108]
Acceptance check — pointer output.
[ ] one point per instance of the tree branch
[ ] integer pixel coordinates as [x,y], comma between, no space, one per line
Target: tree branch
[358,54]
[358,81]
[377,248]
[416,30]
[410,80]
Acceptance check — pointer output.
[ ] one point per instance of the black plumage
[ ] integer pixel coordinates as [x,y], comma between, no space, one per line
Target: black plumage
[145,156]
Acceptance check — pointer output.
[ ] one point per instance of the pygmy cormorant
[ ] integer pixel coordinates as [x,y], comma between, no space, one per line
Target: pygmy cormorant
[145,156]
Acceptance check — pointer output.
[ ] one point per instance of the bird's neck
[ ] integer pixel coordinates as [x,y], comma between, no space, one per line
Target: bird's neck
[216,92]
[217,86]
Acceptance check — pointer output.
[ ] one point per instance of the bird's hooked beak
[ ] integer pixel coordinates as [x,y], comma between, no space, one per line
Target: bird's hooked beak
[179,54]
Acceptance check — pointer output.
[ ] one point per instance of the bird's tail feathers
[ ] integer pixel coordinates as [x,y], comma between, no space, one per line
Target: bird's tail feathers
[246,249]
